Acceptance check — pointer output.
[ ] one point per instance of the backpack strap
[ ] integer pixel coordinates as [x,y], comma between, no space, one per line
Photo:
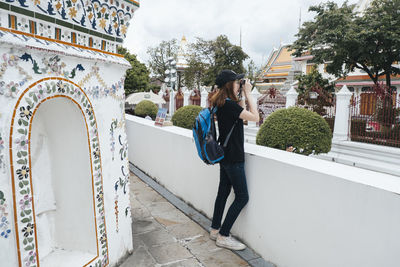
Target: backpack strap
[229,135]
[214,111]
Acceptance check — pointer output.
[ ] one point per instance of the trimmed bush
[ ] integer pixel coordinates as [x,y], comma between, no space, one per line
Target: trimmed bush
[185,116]
[146,108]
[299,130]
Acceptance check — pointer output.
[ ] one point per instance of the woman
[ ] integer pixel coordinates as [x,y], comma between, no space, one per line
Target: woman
[231,113]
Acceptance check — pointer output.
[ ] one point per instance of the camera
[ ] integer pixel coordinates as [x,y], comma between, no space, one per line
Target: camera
[241,83]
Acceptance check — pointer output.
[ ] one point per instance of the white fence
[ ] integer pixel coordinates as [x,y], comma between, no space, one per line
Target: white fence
[303,211]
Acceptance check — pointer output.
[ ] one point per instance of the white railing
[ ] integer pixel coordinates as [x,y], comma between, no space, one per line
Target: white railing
[302,211]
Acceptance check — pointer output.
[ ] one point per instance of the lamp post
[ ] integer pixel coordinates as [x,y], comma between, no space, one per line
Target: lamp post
[170,80]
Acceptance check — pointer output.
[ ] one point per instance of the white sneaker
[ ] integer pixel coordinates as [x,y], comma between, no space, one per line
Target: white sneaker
[229,242]
[214,234]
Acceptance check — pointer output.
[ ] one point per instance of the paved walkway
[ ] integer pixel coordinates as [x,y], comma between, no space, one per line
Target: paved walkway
[164,236]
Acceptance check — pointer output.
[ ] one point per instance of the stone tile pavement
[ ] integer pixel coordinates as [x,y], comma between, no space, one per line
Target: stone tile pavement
[164,236]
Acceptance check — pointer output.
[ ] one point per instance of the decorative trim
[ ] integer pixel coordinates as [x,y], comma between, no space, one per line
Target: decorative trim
[110,18]
[20,164]
[2,158]
[5,230]
[133,2]
[60,42]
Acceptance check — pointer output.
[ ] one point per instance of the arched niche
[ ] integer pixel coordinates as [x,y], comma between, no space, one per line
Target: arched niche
[57,177]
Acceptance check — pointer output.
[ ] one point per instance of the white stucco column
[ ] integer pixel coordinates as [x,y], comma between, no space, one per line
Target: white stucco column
[186,95]
[204,95]
[161,92]
[159,105]
[357,97]
[291,97]
[398,96]
[171,102]
[341,130]
[255,94]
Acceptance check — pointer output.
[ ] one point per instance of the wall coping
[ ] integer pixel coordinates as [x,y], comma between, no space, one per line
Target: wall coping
[387,182]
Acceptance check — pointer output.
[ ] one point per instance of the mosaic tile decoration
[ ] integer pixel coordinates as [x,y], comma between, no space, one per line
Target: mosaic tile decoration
[2,159]
[113,126]
[46,38]
[5,230]
[24,111]
[53,65]
[109,17]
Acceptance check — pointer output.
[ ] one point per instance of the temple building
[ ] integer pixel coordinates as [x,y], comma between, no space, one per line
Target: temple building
[282,68]
[64,198]
[181,62]
[278,70]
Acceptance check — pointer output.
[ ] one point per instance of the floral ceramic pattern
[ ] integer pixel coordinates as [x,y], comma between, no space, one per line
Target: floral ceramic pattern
[2,159]
[114,124]
[109,17]
[12,88]
[54,66]
[29,101]
[116,90]
[51,66]
[123,151]
[116,212]
[5,230]
[120,184]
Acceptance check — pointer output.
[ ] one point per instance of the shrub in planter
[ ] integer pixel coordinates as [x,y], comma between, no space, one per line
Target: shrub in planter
[146,108]
[185,116]
[295,129]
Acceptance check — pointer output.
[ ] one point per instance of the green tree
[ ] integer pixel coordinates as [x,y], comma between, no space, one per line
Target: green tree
[346,40]
[200,58]
[225,56]
[195,73]
[252,72]
[314,82]
[381,34]
[208,57]
[159,58]
[137,78]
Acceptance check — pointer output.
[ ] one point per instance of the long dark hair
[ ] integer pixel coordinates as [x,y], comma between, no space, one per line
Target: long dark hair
[226,91]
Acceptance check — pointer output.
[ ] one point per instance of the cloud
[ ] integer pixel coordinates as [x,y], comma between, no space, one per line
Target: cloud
[264,23]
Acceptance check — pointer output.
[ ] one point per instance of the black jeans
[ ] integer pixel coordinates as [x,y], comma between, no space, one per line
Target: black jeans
[231,175]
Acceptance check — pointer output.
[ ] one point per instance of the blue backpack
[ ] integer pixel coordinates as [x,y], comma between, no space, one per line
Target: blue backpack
[205,137]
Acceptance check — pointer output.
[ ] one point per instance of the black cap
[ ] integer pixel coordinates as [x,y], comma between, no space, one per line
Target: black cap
[227,76]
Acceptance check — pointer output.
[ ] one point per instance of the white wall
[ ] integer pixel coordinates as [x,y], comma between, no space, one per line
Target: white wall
[102,82]
[302,211]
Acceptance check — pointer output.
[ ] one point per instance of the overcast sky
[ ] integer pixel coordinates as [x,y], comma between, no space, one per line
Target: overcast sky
[264,23]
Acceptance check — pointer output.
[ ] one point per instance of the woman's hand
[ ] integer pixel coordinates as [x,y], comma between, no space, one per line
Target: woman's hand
[247,88]
[252,114]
